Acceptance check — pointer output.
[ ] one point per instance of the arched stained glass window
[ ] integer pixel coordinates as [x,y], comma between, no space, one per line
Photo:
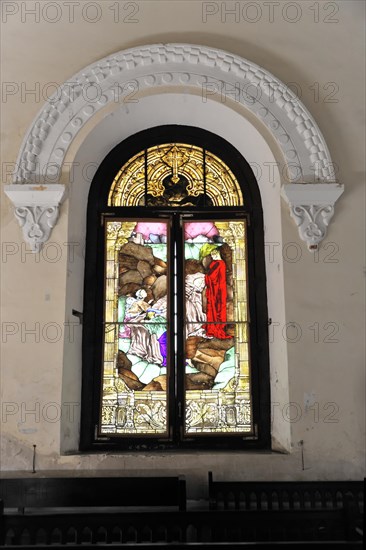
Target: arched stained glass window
[175,361]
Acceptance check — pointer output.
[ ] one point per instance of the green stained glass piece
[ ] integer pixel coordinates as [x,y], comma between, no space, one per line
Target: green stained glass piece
[192,251]
[226,370]
[121,308]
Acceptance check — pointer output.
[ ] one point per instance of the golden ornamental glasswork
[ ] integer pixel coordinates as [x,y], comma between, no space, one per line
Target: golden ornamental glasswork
[175,175]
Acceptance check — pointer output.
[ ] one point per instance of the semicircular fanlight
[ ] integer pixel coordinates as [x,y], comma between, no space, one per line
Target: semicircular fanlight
[175,175]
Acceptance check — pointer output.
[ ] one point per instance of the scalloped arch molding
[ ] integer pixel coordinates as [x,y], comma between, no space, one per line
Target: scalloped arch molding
[216,75]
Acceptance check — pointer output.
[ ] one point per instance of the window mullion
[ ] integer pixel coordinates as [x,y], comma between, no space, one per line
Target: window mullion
[179,325]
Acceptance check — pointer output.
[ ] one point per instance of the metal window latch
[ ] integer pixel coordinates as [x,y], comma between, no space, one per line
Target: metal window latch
[78,314]
[269,321]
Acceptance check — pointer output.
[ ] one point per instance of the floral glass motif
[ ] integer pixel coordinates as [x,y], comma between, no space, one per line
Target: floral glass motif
[217,374]
[136,355]
[175,175]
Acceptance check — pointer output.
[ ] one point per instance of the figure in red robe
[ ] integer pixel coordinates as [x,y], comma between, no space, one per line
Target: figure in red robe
[216,294]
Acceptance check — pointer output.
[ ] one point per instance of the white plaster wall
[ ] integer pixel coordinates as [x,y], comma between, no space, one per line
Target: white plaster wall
[323,288]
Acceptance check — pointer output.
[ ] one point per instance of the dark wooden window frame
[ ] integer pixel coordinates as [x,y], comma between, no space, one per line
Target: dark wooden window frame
[94,284]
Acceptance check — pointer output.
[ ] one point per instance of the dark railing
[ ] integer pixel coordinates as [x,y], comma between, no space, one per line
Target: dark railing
[285,495]
[324,545]
[292,495]
[91,512]
[38,529]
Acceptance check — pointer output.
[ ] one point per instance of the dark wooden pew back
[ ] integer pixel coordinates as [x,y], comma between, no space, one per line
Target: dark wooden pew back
[170,527]
[59,492]
[308,545]
[282,495]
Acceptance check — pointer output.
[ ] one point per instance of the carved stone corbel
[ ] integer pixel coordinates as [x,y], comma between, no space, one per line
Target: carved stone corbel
[36,209]
[312,208]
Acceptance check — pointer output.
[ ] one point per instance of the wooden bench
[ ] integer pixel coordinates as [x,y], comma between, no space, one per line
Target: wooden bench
[263,495]
[310,545]
[169,528]
[291,495]
[76,492]
[280,518]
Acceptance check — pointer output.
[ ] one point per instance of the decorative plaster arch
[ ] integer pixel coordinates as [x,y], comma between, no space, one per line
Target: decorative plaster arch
[215,75]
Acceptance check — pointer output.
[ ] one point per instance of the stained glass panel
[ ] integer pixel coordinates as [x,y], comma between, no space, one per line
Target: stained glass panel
[217,375]
[175,175]
[136,355]
[139,280]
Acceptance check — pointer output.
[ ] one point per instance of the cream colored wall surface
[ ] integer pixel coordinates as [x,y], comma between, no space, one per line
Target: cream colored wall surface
[319,55]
